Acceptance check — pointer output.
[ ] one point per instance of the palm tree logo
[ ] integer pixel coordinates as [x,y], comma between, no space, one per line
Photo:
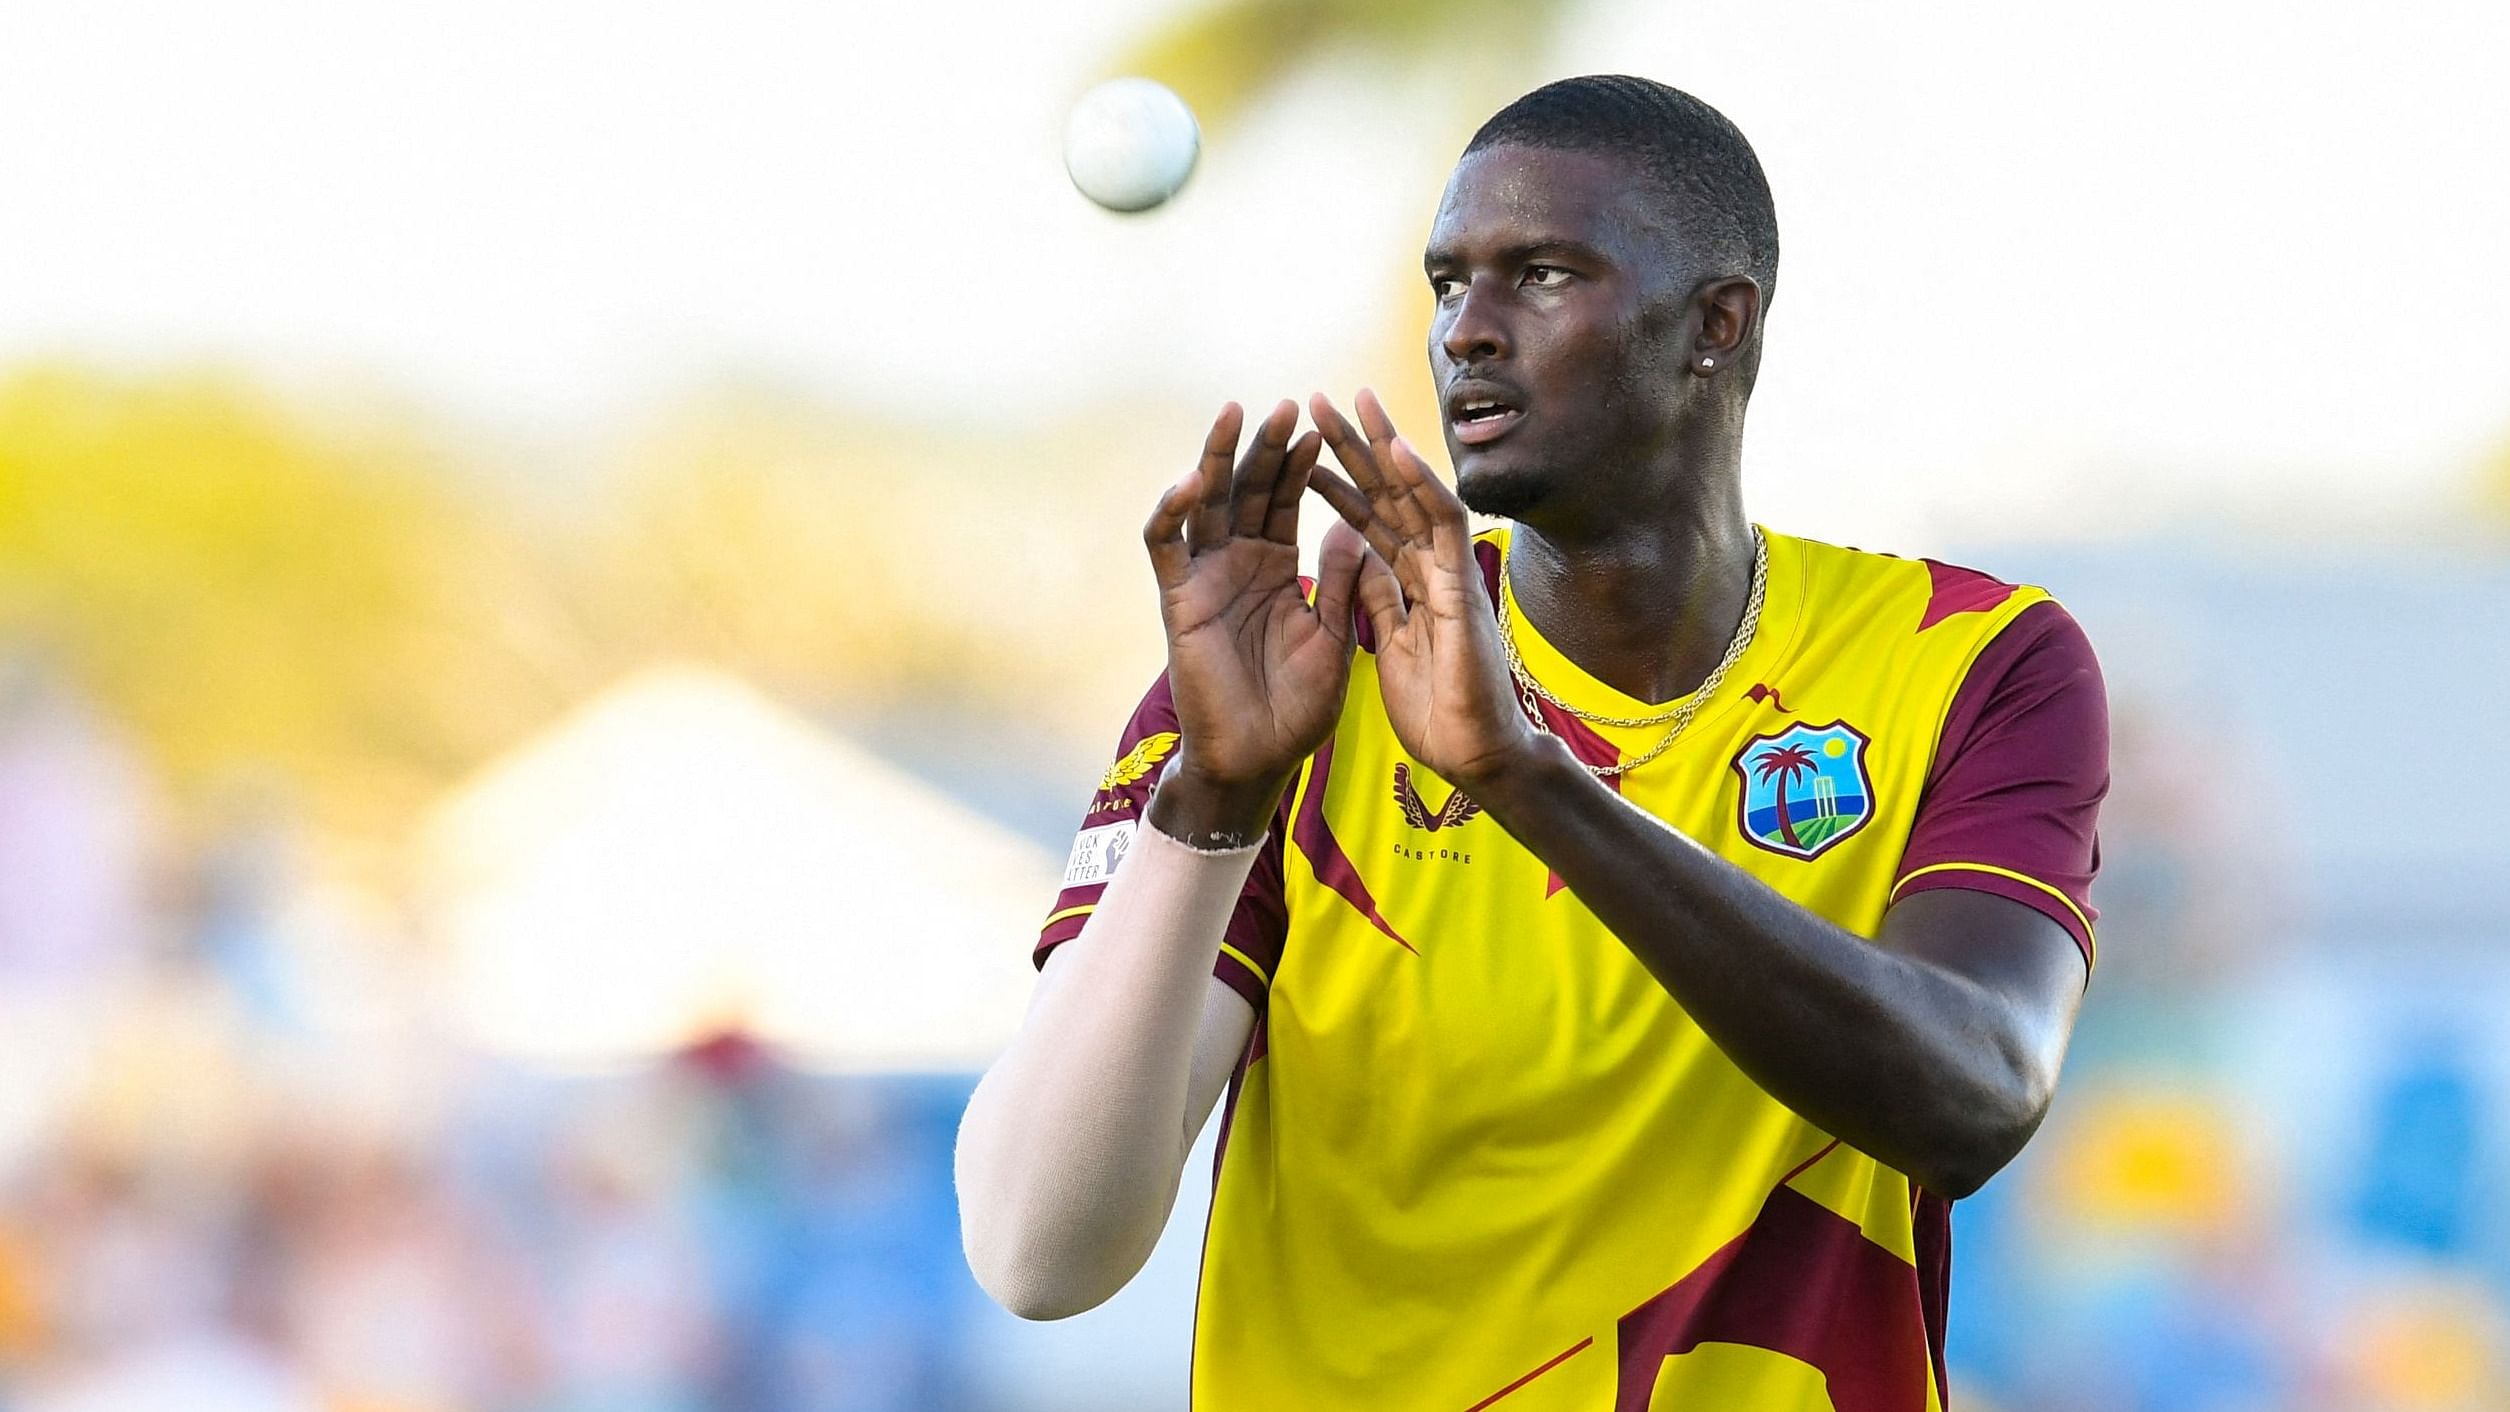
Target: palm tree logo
[1817,769]
[1784,763]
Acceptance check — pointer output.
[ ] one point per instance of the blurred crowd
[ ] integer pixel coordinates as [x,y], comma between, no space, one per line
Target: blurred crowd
[247,1170]
[712,1231]
[2264,1186]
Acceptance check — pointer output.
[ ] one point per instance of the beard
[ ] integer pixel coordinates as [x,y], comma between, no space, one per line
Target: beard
[1500,495]
[1504,492]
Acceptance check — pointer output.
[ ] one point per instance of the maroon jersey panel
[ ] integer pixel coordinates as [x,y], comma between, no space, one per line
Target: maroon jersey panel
[1262,917]
[2019,775]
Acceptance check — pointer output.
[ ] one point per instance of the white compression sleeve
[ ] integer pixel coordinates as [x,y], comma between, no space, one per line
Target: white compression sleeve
[1070,1153]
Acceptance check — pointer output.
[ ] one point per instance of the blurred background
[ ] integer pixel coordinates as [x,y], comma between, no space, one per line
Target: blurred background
[566,572]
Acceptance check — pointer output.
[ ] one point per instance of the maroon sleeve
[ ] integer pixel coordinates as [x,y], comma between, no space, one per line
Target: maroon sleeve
[1251,948]
[2013,801]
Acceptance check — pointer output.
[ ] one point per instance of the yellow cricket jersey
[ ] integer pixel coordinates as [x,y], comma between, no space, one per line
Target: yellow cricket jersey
[1478,1157]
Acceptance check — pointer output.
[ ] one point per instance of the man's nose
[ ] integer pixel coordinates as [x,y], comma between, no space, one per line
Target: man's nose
[1477,331]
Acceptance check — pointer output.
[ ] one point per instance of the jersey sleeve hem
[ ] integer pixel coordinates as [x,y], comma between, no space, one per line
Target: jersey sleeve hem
[1241,975]
[2005,882]
[1060,928]
[1262,977]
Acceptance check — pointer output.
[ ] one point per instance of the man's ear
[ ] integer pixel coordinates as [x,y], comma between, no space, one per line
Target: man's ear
[1725,313]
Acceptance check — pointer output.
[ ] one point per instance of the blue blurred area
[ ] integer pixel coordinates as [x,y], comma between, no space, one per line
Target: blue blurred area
[2264,1181]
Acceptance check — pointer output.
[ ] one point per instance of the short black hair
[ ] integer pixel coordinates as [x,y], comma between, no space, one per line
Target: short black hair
[1720,198]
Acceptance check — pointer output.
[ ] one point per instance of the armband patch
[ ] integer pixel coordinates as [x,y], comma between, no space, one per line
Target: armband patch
[1096,852]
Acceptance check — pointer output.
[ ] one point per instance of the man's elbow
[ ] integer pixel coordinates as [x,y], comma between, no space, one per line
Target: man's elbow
[1033,1294]
[1957,1179]
[1049,1233]
[1048,1251]
[1983,1139]
[1037,1283]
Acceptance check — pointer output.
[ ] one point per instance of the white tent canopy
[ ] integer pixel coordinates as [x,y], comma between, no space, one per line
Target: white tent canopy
[682,855]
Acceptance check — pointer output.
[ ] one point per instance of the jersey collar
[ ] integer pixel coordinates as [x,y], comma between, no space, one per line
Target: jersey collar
[1782,606]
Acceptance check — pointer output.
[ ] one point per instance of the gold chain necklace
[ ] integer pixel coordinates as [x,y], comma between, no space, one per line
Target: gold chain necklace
[1678,717]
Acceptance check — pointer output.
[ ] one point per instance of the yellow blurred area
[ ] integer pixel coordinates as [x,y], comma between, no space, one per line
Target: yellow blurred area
[2434,1347]
[2493,487]
[21,1311]
[1222,57]
[242,584]
[835,559]
[354,607]
[2149,1159]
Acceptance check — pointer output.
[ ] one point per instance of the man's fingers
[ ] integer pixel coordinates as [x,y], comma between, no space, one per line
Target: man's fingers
[1259,471]
[1349,447]
[1220,444]
[1281,515]
[1409,517]
[1363,463]
[1211,479]
[1373,418]
[1161,533]
[1450,528]
[1414,470]
[1381,598]
[1406,555]
[1356,510]
[1385,445]
[1338,577]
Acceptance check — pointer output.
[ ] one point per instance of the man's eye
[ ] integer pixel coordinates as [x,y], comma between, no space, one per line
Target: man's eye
[1445,286]
[1546,276]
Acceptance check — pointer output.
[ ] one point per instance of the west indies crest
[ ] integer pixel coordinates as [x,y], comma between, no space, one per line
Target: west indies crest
[1805,788]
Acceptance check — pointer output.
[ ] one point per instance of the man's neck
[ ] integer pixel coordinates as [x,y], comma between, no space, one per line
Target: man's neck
[1647,604]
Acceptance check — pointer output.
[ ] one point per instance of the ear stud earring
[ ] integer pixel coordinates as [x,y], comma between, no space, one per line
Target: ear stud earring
[1706,363]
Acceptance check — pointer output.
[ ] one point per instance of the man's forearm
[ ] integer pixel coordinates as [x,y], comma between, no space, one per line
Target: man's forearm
[1069,1155]
[1910,1063]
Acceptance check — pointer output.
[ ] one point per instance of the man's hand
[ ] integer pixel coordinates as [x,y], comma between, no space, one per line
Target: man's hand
[1257,673]
[1439,662]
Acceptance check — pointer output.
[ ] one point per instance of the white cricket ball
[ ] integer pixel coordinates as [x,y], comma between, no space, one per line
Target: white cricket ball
[1130,144]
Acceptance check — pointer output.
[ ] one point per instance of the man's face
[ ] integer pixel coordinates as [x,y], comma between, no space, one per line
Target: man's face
[1557,342]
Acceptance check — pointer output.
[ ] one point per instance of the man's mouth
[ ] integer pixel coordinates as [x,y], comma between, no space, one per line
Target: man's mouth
[1478,421]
